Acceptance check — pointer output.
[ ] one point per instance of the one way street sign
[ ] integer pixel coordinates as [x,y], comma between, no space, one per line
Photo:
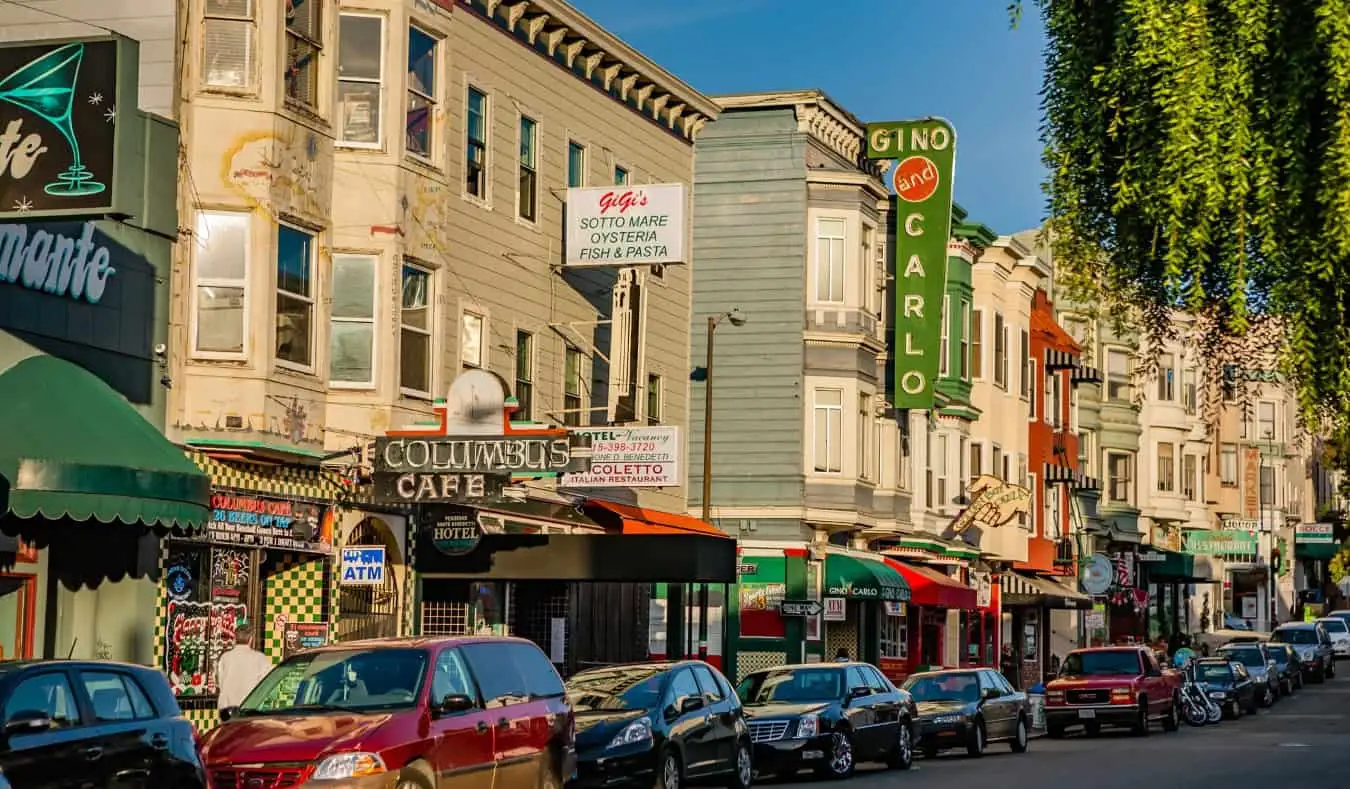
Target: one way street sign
[800,608]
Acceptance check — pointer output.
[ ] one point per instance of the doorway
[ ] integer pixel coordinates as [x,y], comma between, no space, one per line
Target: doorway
[18,604]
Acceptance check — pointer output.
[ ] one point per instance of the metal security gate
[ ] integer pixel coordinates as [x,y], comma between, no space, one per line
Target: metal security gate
[371,611]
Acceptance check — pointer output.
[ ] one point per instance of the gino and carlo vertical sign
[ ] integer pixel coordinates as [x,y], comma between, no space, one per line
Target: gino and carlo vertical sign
[58,125]
[924,156]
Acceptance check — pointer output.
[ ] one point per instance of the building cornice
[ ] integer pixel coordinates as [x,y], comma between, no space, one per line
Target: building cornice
[557,31]
[846,178]
[818,116]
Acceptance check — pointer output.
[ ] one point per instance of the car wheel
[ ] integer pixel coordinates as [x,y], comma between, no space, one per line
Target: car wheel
[839,762]
[1266,697]
[1140,727]
[743,769]
[1021,738]
[1320,673]
[1172,722]
[902,756]
[417,775]
[1298,681]
[671,774]
[975,746]
[1331,669]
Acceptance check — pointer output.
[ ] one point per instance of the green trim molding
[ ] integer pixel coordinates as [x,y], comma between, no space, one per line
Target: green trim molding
[852,576]
[75,449]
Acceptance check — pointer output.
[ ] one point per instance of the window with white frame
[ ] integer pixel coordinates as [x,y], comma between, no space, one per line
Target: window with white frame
[965,341]
[976,461]
[996,463]
[1228,465]
[621,176]
[304,43]
[1031,376]
[1075,327]
[524,375]
[1167,372]
[1054,397]
[892,636]
[229,43]
[1188,390]
[420,113]
[1120,477]
[1267,487]
[945,338]
[351,342]
[574,410]
[1117,375]
[1025,369]
[1073,408]
[977,344]
[1054,511]
[828,431]
[472,337]
[962,458]
[414,330]
[576,164]
[295,297]
[527,182]
[1000,352]
[830,260]
[655,398]
[360,79]
[1087,448]
[867,268]
[220,267]
[930,470]
[1190,475]
[1265,421]
[476,144]
[1167,467]
[1028,519]
[905,453]
[865,437]
[942,473]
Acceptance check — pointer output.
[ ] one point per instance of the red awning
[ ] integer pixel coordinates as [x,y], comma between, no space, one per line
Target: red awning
[930,587]
[637,520]
[1042,322]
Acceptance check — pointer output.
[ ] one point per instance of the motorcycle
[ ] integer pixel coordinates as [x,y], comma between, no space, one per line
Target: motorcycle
[1197,707]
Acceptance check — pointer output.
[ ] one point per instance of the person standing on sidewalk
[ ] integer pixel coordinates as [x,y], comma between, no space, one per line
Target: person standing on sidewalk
[240,669]
[1007,666]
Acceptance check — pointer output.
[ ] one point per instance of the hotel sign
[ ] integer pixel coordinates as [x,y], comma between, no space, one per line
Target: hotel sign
[924,155]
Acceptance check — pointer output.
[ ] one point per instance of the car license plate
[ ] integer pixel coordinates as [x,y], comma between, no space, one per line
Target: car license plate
[1087,714]
[813,754]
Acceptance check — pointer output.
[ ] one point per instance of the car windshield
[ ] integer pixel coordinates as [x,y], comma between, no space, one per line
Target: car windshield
[627,688]
[1334,625]
[809,684]
[1294,635]
[341,680]
[944,687]
[1079,664]
[1278,653]
[1247,657]
[1214,672]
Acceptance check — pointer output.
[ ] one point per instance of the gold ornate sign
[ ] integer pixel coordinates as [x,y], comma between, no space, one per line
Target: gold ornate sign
[993,502]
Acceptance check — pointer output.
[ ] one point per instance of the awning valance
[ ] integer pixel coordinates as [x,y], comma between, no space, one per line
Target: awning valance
[73,448]
[931,588]
[1060,360]
[1023,589]
[863,577]
[639,520]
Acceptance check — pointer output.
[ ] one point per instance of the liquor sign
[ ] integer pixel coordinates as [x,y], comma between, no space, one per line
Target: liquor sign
[629,457]
[625,225]
[924,152]
[58,126]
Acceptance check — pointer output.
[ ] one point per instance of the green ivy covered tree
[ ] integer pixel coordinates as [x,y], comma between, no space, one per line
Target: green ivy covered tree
[1199,158]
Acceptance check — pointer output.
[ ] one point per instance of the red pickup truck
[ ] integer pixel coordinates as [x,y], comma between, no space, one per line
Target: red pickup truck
[1112,686]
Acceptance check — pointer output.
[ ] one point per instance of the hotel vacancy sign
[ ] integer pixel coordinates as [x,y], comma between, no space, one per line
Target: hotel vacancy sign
[629,457]
[625,225]
[924,156]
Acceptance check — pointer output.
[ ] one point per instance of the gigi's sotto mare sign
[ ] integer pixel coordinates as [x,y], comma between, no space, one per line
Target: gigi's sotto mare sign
[625,226]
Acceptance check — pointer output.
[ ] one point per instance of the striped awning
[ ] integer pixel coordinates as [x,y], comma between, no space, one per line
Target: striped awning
[1058,475]
[1021,589]
[1084,482]
[1084,374]
[1060,360]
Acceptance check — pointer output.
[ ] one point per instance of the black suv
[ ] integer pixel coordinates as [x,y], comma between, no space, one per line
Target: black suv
[93,723]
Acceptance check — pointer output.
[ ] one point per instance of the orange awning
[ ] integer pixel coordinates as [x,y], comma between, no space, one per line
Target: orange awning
[637,520]
[1044,323]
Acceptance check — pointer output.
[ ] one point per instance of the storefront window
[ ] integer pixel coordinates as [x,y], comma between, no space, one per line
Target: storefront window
[894,635]
[210,594]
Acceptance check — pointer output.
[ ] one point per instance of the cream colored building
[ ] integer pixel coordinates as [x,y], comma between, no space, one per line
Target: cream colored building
[373,196]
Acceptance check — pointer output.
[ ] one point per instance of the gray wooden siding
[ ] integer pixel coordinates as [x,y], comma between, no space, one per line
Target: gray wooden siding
[749,253]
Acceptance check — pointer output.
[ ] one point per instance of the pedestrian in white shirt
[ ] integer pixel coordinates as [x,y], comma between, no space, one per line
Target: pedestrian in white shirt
[240,669]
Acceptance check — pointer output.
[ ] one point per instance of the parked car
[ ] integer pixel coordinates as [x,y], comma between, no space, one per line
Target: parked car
[1342,613]
[829,717]
[93,723]
[1287,665]
[1235,622]
[1339,631]
[1112,686]
[1260,663]
[411,711]
[1314,648]
[968,708]
[1208,642]
[659,724]
[1229,684]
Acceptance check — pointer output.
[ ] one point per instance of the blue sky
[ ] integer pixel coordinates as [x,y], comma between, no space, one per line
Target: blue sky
[882,60]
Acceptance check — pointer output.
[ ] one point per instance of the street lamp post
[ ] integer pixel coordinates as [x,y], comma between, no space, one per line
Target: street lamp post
[736,318]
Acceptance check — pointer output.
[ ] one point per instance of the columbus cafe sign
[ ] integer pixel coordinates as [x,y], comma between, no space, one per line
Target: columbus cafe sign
[923,156]
[473,454]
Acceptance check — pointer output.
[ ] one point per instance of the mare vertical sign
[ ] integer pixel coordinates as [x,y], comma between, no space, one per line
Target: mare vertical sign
[924,156]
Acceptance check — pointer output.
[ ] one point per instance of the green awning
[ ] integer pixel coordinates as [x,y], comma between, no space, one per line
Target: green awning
[1173,567]
[851,575]
[1316,550]
[74,448]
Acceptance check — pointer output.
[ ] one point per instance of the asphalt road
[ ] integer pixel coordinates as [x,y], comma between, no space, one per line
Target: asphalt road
[1298,742]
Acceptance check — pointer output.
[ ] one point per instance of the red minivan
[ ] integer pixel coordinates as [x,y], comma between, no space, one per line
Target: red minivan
[414,713]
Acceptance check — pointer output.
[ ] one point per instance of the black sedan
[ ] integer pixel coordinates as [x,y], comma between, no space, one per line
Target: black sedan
[1287,666]
[827,717]
[1230,685]
[969,709]
[659,724]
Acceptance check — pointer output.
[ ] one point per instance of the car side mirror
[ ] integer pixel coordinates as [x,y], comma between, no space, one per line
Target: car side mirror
[226,713]
[859,692]
[990,694]
[454,702]
[27,722]
[690,704]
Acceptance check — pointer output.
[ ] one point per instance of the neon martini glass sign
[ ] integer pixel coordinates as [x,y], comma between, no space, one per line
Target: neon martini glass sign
[45,86]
